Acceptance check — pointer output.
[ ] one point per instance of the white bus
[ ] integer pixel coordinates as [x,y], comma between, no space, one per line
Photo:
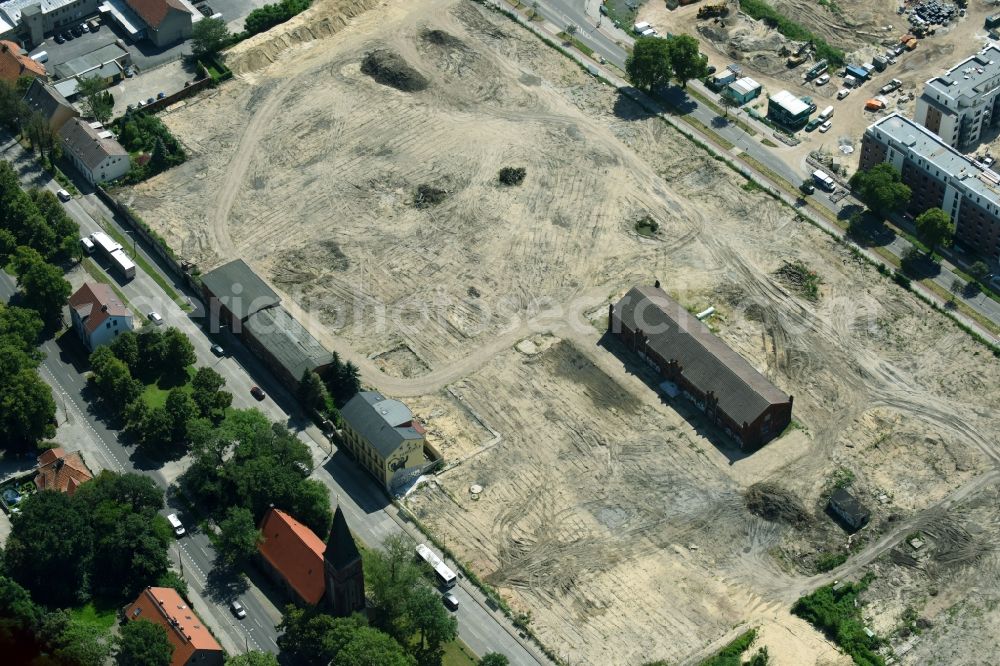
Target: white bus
[446,577]
[123,263]
[103,241]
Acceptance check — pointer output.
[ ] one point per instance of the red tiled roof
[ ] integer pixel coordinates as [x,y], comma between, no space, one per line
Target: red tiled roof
[95,302]
[163,606]
[13,65]
[296,553]
[154,11]
[58,470]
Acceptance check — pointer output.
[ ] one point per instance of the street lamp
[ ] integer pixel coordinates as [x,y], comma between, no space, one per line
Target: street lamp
[132,234]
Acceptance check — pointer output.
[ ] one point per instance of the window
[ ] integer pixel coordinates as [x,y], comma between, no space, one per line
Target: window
[108,325]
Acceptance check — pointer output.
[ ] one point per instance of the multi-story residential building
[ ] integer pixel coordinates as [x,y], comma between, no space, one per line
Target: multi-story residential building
[98,315]
[940,177]
[384,436]
[94,151]
[193,643]
[963,103]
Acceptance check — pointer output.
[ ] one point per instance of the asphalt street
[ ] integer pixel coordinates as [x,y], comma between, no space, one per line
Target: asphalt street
[368,510]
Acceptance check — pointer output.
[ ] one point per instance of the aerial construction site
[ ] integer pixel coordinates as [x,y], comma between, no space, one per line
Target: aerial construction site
[357,172]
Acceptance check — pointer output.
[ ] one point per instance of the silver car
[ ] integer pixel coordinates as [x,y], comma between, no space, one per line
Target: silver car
[238,610]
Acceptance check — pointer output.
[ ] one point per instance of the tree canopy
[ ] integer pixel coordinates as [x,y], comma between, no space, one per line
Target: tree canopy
[649,65]
[686,59]
[934,228]
[881,188]
[313,637]
[97,103]
[208,36]
[238,536]
[143,643]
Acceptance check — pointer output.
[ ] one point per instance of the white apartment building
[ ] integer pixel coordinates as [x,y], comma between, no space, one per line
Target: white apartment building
[961,104]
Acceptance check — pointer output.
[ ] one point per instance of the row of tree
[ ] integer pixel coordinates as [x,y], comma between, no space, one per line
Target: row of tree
[328,394]
[655,61]
[27,410]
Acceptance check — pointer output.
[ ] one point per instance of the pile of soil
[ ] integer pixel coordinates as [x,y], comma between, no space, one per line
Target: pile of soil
[428,195]
[775,504]
[442,38]
[389,69]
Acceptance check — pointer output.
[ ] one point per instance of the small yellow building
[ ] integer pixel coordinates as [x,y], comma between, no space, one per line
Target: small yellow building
[384,437]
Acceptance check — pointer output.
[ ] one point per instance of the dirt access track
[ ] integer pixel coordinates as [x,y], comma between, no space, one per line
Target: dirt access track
[616,520]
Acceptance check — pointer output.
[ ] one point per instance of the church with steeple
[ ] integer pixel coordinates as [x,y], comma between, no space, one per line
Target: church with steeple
[309,570]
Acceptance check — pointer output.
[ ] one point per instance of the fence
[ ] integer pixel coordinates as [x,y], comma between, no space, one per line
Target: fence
[183,93]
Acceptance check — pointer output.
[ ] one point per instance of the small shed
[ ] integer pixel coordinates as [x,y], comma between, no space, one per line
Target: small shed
[858,72]
[743,90]
[846,507]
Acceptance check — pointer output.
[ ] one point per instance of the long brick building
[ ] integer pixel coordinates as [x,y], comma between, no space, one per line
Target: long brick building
[940,177]
[720,382]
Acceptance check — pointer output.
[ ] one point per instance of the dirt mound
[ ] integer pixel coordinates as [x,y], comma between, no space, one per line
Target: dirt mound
[442,38]
[389,69]
[774,503]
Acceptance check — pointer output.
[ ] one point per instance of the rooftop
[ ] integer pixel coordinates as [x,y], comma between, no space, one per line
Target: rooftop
[61,471]
[15,63]
[705,360]
[12,8]
[849,504]
[94,302]
[744,85]
[973,76]
[89,144]
[288,341]
[46,100]
[154,11]
[383,422]
[163,606]
[239,289]
[295,552]
[913,137]
[102,59]
[789,102]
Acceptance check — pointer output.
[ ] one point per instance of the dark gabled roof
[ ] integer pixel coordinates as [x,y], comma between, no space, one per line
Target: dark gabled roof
[90,145]
[340,547]
[849,505]
[288,341]
[240,289]
[46,100]
[705,360]
[383,422]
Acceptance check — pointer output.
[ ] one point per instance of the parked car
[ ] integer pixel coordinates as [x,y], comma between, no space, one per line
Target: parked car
[823,79]
[67,35]
[813,124]
[63,195]
[807,187]
[161,95]
[218,350]
[75,30]
[95,24]
[238,609]
[256,392]
[155,318]
[58,39]
[450,601]
[84,27]
[175,523]
[825,127]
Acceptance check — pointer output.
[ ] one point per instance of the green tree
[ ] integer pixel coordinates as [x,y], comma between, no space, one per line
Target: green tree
[881,188]
[934,228]
[50,535]
[686,60]
[45,290]
[343,380]
[16,604]
[64,228]
[143,643]
[113,381]
[979,271]
[207,394]
[182,410]
[160,159]
[391,576]
[178,352]
[253,658]
[494,659]
[8,243]
[126,349]
[369,646]
[649,64]
[308,635]
[155,432]
[238,536]
[208,36]
[27,410]
[430,620]
[20,327]
[72,642]
[96,103]
[313,394]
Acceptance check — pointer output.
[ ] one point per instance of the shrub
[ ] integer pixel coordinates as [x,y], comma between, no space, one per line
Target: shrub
[512,175]
[269,16]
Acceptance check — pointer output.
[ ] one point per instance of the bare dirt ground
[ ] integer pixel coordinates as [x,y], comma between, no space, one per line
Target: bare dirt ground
[616,520]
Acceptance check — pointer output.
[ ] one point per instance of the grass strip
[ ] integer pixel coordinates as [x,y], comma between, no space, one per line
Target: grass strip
[147,267]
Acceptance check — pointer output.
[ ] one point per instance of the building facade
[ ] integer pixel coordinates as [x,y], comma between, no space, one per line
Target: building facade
[193,643]
[46,100]
[166,21]
[743,90]
[15,63]
[94,151]
[384,437]
[699,366]
[964,102]
[788,110]
[31,20]
[939,177]
[98,316]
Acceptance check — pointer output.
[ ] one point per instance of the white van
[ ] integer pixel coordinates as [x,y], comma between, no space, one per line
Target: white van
[843,92]
[826,114]
[41,56]
[175,523]
[88,245]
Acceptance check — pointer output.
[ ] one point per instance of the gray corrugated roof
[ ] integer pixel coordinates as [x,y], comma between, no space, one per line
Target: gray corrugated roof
[287,340]
[705,360]
[240,289]
[82,140]
[86,64]
[380,420]
[46,100]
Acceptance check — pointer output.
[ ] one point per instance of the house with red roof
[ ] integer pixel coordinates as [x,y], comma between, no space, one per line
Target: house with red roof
[167,21]
[193,642]
[311,571]
[61,471]
[15,63]
[98,315]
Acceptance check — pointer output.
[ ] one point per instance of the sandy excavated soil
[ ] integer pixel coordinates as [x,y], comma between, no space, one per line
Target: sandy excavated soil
[616,520]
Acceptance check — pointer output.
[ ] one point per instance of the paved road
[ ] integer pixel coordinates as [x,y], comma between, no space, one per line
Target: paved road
[606,40]
[369,512]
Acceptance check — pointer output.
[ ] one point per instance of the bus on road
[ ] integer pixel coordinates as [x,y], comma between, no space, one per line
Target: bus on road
[446,577]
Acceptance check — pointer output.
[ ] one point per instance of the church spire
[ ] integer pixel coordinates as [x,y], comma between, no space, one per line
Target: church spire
[340,547]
